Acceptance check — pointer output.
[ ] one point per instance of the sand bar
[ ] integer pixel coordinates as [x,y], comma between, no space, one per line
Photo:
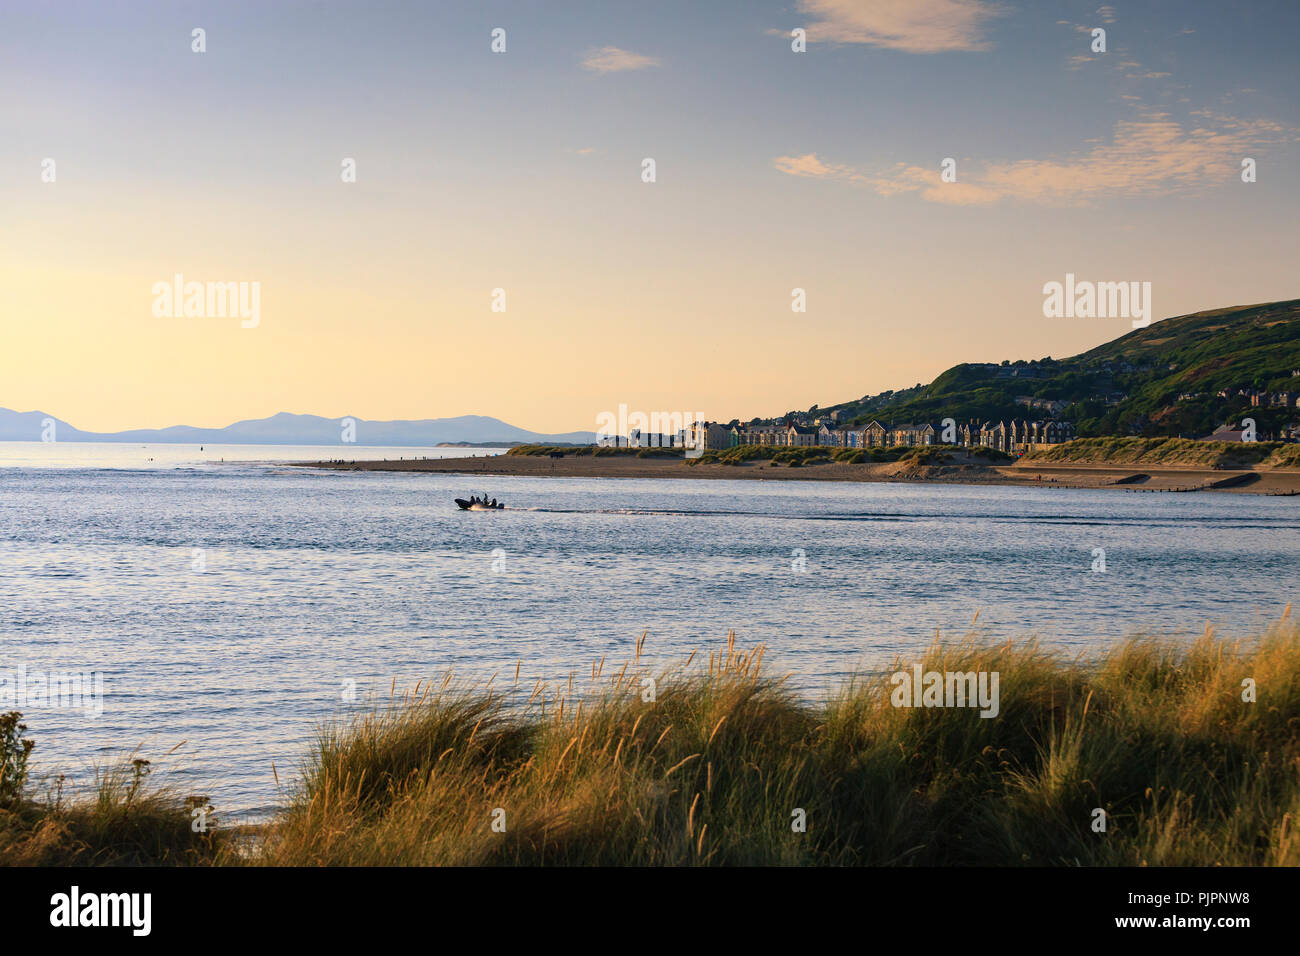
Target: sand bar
[1134,478]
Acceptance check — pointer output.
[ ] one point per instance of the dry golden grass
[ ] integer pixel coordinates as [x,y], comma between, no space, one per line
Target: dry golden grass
[715,767]
[1169,451]
[124,822]
[711,771]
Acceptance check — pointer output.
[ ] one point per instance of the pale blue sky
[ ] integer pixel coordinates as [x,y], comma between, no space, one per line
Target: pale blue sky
[521,171]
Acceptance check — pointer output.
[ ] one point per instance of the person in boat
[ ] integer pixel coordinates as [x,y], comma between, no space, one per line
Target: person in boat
[492,503]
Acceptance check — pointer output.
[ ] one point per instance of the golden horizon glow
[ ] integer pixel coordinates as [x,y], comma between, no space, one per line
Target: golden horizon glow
[522,172]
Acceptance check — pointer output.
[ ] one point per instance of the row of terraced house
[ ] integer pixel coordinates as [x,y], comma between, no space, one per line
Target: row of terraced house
[1013,437]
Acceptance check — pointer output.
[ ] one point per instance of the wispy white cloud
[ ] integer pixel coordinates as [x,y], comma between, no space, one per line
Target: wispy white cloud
[1154,156]
[809,165]
[903,178]
[915,26]
[612,59]
[927,182]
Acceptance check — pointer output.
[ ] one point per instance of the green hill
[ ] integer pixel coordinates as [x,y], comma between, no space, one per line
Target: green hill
[1159,381]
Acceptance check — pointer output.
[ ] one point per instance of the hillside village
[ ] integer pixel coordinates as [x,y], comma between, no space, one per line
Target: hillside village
[1221,375]
[1192,376]
[1013,437]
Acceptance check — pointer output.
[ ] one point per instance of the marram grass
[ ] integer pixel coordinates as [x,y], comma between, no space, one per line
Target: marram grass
[721,764]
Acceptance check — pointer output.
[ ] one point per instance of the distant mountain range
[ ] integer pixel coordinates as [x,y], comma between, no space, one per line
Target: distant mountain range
[1185,375]
[289,429]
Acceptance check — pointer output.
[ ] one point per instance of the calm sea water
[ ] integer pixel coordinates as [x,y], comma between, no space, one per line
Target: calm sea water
[231,606]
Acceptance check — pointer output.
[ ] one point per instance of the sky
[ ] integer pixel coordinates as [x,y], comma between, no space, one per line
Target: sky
[523,171]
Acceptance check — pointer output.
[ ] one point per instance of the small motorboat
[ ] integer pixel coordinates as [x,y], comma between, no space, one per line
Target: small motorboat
[478,504]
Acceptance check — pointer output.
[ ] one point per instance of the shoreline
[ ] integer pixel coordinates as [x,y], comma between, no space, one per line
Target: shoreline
[1132,477]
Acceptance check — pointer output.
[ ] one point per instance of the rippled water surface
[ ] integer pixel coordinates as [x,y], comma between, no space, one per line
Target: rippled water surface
[230,606]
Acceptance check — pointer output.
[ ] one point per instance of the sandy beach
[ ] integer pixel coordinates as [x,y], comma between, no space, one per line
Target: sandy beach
[1132,478]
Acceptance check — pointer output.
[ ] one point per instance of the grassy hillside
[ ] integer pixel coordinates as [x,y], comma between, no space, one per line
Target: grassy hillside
[1130,386]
